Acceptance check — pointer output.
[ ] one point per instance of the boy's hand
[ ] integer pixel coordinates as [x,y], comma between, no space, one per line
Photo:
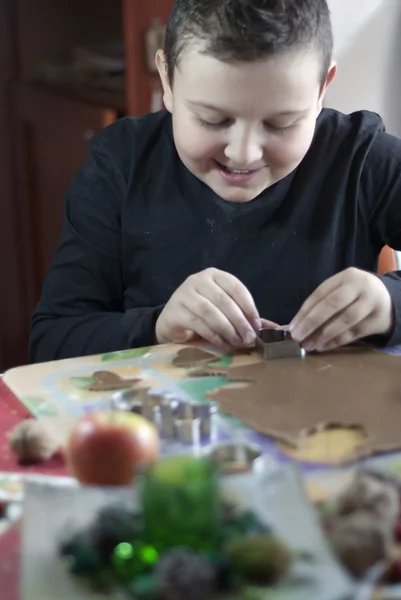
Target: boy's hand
[214,306]
[350,305]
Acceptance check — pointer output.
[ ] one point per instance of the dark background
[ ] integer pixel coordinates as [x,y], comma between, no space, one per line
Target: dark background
[47,118]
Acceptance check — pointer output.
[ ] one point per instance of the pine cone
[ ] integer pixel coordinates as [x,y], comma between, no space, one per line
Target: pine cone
[184,575]
[360,541]
[367,492]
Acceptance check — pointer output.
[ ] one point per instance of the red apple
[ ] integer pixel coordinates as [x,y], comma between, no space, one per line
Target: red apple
[106,448]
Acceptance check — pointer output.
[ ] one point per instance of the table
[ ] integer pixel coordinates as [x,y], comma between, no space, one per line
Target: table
[60,391]
[11,413]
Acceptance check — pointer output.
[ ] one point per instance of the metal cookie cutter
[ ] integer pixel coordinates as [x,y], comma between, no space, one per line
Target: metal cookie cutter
[278,343]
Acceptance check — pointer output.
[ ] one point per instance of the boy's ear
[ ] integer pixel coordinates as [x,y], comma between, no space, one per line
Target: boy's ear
[330,76]
[164,78]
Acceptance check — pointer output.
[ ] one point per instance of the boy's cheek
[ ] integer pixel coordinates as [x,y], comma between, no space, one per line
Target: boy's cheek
[197,145]
[290,148]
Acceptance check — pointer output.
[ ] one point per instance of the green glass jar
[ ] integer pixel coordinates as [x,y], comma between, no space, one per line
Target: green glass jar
[180,503]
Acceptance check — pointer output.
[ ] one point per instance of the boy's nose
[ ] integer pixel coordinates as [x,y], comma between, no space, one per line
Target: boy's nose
[244,152]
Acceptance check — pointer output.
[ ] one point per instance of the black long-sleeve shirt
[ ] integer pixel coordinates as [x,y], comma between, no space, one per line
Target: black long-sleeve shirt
[137,223]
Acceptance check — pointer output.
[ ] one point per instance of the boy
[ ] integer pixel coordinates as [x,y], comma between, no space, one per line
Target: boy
[243,201]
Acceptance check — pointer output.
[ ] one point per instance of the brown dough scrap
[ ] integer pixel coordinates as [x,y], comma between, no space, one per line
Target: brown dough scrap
[107,381]
[213,371]
[287,398]
[193,357]
[208,372]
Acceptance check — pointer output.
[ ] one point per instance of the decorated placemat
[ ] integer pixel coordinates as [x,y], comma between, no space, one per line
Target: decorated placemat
[324,411]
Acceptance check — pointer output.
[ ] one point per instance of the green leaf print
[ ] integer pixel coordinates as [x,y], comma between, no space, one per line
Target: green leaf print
[223,361]
[125,354]
[82,383]
[39,407]
[198,388]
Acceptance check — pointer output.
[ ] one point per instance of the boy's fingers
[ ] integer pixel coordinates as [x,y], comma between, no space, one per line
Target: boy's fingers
[351,335]
[327,308]
[201,328]
[220,299]
[266,324]
[179,335]
[240,295]
[317,296]
[211,313]
[346,324]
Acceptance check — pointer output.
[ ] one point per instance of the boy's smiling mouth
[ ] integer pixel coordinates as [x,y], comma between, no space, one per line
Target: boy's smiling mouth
[236,175]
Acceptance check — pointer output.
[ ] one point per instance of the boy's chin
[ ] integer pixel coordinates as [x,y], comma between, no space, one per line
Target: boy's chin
[237,193]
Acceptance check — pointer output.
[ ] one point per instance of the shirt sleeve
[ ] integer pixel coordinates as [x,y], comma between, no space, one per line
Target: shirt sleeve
[381,187]
[81,309]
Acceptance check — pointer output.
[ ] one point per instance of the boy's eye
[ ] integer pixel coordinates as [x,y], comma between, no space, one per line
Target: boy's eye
[211,125]
[276,127]
[227,122]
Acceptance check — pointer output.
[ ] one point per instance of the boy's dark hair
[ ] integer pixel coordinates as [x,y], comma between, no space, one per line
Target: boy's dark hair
[249,30]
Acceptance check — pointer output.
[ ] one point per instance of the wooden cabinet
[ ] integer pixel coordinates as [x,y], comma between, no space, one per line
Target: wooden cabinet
[55,135]
[50,36]
[49,109]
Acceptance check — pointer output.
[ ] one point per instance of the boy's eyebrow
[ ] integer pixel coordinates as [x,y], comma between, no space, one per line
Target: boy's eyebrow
[291,113]
[283,113]
[206,105]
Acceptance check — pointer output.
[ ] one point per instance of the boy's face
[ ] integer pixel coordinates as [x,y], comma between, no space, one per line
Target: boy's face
[242,127]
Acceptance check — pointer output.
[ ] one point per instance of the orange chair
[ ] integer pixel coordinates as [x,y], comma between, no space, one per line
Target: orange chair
[387,261]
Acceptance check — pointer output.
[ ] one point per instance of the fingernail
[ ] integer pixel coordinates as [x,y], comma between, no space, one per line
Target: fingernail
[296,332]
[257,324]
[249,337]
[309,346]
[237,340]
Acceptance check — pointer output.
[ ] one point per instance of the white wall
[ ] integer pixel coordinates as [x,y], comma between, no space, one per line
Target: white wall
[367,37]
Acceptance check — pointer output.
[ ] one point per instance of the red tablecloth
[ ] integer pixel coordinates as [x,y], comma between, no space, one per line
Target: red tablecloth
[10,563]
[11,413]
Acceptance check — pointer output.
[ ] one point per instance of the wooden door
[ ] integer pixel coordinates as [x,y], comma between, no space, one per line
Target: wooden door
[55,135]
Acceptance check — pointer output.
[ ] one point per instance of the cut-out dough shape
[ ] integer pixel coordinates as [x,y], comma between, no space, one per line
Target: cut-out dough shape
[107,381]
[286,399]
[193,357]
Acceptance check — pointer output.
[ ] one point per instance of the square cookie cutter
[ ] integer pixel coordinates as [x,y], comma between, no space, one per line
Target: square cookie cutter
[278,343]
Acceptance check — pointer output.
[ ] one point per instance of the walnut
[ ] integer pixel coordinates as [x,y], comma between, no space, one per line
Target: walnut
[31,442]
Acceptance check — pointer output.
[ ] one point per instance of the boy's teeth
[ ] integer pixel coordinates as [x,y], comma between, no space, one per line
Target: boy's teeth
[238,171]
